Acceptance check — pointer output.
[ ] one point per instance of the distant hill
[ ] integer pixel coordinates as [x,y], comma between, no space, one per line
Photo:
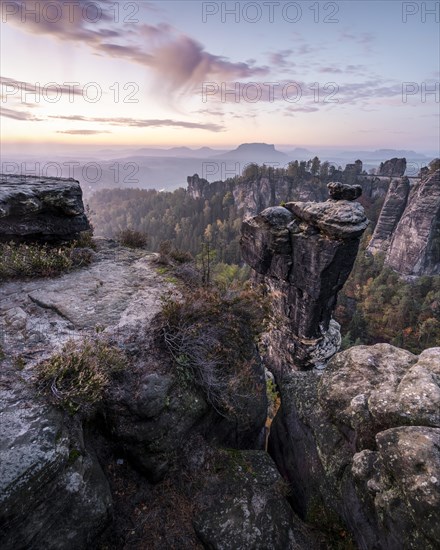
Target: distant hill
[255,152]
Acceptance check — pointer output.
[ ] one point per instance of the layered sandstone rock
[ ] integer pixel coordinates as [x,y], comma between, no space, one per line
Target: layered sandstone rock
[360,445]
[392,210]
[305,251]
[414,248]
[40,209]
[392,168]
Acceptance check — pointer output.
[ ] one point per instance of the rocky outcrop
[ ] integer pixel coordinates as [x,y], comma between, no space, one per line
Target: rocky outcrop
[305,251]
[414,249]
[240,501]
[393,168]
[256,194]
[360,445]
[53,492]
[351,172]
[200,188]
[392,210]
[40,209]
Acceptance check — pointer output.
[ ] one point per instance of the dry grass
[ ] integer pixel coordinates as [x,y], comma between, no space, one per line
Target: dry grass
[78,377]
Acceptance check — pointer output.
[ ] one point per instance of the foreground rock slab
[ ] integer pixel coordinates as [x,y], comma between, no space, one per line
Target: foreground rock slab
[360,445]
[40,209]
[53,492]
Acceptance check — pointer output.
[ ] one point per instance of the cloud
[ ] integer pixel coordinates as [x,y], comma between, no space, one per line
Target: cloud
[178,62]
[18,115]
[364,39]
[280,58]
[333,70]
[83,132]
[143,123]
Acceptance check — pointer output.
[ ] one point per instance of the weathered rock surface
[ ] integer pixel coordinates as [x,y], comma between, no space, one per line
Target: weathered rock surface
[305,252]
[393,168]
[53,492]
[360,445]
[149,414]
[392,210]
[43,209]
[254,195]
[343,191]
[414,249]
[241,503]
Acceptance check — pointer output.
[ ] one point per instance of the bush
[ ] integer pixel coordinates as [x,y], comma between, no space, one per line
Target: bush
[40,260]
[31,260]
[78,377]
[210,336]
[85,240]
[132,238]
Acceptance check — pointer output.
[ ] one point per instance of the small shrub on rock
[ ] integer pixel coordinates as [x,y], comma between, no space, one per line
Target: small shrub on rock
[77,377]
[211,337]
[132,238]
[31,260]
[18,260]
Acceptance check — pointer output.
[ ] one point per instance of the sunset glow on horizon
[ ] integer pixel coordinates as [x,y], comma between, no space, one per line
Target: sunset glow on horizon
[351,74]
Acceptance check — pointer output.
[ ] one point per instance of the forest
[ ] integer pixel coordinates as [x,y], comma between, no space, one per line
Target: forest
[375,304]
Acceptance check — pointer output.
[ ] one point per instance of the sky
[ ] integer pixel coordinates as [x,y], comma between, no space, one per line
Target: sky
[356,74]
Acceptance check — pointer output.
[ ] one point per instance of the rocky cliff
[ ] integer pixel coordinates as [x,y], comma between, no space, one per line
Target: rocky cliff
[414,247]
[392,168]
[252,195]
[45,209]
[358,437]
[63,478]
[354,448]
[392,210]
[360,445]
[305,252]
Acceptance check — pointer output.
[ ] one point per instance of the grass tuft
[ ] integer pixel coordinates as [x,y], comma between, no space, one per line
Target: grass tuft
[78,377]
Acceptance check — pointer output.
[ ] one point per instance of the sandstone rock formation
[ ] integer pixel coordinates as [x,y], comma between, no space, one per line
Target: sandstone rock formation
[414,249]
[393,168]
[240,502]
[392,210]
[54,492]
[360,445]
[305,251]
[43,209]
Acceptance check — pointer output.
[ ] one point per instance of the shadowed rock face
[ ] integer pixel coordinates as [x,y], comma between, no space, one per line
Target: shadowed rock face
[40,209]
[393,168]
[414,249]
[360,443]
[305,251]
[392,210]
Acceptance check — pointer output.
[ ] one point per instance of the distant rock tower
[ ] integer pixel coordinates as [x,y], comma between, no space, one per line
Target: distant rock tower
[304,252]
